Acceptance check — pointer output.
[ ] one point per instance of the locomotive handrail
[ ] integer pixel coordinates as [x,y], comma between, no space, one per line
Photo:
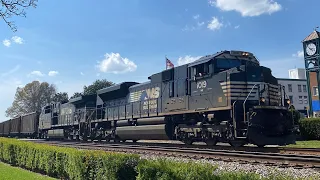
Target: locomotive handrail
[233,114]
[244,102]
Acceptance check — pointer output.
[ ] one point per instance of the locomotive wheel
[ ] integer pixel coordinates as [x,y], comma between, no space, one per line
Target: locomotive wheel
[260,145]
[134,140]
[188,141]
[211,142]
[237,143]
[116,140]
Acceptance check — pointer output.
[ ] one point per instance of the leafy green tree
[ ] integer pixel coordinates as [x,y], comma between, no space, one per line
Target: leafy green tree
[11,8]
[61,97]
[32,97]
[96,85]
[76,94]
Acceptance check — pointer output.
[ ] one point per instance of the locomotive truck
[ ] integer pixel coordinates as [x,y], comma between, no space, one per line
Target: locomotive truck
[224,97]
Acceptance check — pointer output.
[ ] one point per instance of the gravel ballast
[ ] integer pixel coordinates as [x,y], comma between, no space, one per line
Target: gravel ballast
[261,169]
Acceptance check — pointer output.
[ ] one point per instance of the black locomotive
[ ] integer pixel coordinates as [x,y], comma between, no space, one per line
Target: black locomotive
[224,97]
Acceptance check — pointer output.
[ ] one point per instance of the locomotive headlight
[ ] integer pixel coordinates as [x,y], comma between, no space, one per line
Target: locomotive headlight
[288,101]
[263,99]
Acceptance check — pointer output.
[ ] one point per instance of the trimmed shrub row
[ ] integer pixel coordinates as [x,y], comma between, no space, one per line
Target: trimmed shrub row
[70,163]
[310,128]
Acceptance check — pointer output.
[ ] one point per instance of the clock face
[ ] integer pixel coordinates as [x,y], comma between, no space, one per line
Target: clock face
[311,49]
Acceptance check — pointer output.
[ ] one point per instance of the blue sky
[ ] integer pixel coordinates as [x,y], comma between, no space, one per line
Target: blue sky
[73,43]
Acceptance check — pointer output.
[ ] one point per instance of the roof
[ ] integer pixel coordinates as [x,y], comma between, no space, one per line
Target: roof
[205,59]
[225,55]
[83,98]
[314,35]
[116,87]
[115,92]
[140,84]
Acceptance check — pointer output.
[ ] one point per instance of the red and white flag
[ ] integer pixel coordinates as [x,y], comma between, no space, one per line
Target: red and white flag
[169,64]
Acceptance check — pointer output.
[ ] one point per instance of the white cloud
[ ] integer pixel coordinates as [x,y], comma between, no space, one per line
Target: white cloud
[196,26]
[187,59]
[17,39]
[6,43]
[214,24]
[237,27]
[114,63]
[36,73]
[53,73]
[248,7]
[82,74]
[299,54]
[200,24]
[189,28]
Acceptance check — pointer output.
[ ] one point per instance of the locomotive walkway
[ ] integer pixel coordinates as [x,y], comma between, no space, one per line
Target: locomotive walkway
[273,156]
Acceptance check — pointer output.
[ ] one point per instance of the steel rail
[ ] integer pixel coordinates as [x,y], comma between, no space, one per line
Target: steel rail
[250,157]
[311,151]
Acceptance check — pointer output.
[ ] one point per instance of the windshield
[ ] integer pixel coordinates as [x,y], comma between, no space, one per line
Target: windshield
[228,63]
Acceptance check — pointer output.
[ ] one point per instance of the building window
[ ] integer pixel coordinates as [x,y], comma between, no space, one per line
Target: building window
[300,100]
[299,88]
[304,88]
[291,99]
[315,91]
[289,87]
[306,99]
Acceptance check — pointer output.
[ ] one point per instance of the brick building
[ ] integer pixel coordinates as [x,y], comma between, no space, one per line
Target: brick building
[314,92]
[311,46]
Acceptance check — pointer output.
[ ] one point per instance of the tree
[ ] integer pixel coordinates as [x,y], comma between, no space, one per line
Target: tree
[96,85]
[11,8]
[60,97]
[32,97]
[76,94]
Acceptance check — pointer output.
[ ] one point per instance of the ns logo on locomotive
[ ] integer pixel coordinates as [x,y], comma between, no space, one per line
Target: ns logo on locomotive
[225,97]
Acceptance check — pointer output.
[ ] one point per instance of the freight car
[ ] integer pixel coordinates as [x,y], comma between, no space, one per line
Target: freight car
[21,126]
[224,97]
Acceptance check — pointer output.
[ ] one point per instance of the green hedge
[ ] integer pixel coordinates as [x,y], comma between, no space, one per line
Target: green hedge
[165,169]
[310,128]
[70,163]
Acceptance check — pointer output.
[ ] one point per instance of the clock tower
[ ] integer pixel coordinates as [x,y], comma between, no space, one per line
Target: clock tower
[311,50]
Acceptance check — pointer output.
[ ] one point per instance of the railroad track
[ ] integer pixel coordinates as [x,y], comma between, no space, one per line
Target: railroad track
[268,158]
[282,150]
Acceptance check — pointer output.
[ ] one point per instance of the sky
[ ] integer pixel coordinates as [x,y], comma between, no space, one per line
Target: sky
[71,44]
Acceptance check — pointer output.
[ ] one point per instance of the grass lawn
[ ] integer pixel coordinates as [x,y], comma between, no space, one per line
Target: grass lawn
[306,144]
[8,172]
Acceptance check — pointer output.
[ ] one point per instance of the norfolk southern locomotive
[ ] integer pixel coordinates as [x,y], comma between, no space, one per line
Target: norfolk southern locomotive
[224,97]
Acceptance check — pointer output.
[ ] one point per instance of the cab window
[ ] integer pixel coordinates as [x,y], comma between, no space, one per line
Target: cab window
[202,69]
[224,64]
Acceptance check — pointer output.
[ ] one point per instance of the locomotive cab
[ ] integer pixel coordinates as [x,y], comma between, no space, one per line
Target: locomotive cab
[244,98]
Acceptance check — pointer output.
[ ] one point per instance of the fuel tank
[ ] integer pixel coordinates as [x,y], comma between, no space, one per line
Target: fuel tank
[146,132]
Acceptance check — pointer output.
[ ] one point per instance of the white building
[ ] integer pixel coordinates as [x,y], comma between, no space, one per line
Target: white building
[296,88]
[298,73]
